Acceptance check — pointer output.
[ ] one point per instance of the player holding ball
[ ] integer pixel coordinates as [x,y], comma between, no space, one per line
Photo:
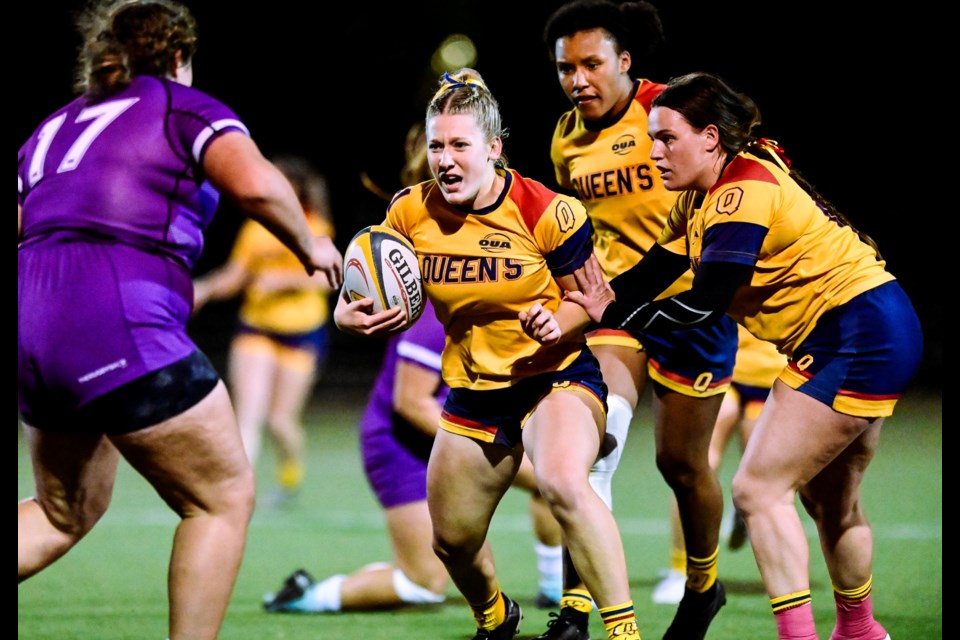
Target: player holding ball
[493,245]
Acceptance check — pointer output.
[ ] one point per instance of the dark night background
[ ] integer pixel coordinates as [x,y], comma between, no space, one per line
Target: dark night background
[340,84]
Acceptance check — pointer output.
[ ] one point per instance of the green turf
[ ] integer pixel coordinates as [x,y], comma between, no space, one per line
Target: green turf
[112,586]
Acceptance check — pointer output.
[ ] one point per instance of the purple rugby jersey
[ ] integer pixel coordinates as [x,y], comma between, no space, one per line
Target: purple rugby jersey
[394,452]
[114,207]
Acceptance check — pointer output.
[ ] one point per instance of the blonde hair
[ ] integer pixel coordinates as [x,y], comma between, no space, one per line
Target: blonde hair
[466,92]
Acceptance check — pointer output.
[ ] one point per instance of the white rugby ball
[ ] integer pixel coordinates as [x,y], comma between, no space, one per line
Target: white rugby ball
[381,264]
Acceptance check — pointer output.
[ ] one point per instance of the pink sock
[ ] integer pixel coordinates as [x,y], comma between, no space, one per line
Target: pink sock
[855,620]
[796,623]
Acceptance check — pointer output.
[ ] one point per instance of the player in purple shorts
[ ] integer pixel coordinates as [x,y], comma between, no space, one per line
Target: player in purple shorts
[114,192]
[397,430]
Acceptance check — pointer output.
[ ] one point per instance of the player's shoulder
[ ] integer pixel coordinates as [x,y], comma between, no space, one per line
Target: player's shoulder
[414,196]
[566,125]
[745,169]
[646,92]
[530,194]
[534,199]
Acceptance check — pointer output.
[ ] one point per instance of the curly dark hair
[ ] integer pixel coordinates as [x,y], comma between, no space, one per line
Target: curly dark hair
[126,38]
[634,26]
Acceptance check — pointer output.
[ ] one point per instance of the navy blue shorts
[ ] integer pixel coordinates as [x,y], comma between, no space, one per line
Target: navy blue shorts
[498,415]
[862,355]
[693,362]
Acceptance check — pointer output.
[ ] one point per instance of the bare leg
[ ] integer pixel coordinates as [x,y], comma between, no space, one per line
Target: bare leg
[74,476]
[251,369]
[832,499]
[562,444]
[197,464]
[624,371]
[292,386]
[684,427]
[795,439]
[461,511]
[546,529]
[372,587]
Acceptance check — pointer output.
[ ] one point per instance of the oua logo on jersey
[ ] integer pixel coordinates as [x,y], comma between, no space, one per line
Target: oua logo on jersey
[495,242]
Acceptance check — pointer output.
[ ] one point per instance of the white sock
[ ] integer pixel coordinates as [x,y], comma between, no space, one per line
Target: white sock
[324,596]
[550,566]
[619,416]
[412,593]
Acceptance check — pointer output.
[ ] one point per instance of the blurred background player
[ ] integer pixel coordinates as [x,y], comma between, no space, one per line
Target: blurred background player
[115,190]
[601,152]
[280,343]
[757,367]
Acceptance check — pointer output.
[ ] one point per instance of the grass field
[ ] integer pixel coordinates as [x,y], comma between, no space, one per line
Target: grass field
[112,586]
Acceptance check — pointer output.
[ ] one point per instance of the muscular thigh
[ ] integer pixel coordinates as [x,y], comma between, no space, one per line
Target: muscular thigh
[684,425]
[839,482]
[466,478]
[192,458]
[293,382]
[796,437]
[623,364]
[411,536]
[73,473]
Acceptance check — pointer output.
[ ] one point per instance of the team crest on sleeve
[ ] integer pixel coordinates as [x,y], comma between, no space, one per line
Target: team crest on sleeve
[565,217]
[728,202]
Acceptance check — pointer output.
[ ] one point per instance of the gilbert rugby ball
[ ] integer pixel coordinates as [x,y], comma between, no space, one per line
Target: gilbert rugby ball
[381,264]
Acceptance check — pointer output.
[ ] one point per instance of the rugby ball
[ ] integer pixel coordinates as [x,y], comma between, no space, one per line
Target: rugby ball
[381,264]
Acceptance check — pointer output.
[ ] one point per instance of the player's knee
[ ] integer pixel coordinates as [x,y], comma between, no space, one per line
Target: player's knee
[76,519]
[455,550]
[412,593]
[678,471]
[751,494]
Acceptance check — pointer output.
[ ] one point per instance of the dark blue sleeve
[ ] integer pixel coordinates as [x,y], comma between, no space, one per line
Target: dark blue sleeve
[574,251]
[737,242]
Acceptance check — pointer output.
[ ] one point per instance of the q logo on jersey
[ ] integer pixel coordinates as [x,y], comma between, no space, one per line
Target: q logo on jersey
[729,201]
[565,217]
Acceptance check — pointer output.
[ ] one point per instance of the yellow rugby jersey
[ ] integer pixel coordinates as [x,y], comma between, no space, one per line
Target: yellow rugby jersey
[758,361]
[289,311]
[607,164]
[481,268]
[806,261]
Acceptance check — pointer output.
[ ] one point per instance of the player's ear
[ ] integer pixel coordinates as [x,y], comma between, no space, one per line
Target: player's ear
[711,137]
[496,149]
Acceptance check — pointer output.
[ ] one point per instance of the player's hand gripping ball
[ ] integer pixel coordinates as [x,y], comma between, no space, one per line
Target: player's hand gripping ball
[381,264]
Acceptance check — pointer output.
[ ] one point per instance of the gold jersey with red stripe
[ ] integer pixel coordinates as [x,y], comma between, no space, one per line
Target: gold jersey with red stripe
[806,261]
[480,268]
[607,164]
[287,311]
